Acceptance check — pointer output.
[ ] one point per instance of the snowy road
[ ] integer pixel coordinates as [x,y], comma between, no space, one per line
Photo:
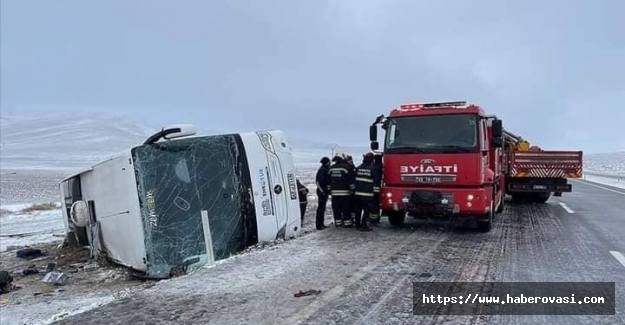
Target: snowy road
[365,278]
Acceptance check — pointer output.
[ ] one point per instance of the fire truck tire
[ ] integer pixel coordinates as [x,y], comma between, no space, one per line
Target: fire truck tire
[519,197]
[485,225]
[541,197]
[501,203]
[396,218]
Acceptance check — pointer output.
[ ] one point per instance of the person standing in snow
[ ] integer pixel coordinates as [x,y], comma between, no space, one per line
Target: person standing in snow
[352,198]
[363,191]
[322,194]
[302,192]
[340,186]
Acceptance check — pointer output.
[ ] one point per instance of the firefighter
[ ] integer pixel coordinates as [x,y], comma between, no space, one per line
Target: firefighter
[302,192]
[340,185]
[322,193]
[363,192]
[374,217]
[352,199]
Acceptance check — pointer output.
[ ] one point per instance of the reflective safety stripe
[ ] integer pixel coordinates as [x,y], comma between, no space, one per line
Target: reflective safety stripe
[376,189]
[364,194]
[339,169]
[352,186]
[347,222]
[339,192]
[360,179]
[339,222]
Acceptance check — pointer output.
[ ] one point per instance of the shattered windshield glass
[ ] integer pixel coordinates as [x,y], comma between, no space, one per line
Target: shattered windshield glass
[176,181]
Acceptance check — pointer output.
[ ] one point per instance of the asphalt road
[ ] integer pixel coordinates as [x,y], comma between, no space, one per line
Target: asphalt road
[366,278]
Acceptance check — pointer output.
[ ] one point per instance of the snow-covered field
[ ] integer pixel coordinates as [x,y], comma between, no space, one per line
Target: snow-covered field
[607,163]
[19,228]
[77,140]
[605,168]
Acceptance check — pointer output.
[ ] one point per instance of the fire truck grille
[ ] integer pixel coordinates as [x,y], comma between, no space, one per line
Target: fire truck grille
[448,196]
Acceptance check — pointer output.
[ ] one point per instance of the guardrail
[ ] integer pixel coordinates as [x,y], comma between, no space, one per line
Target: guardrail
[619,177]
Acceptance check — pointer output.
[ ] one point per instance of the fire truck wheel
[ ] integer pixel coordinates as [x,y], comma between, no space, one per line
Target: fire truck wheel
[501,203]
[542,197]
[396,218]
[484,225]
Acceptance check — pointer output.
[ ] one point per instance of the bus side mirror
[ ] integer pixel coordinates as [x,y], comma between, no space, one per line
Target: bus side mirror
[172,132]
[178,131]
[375,145]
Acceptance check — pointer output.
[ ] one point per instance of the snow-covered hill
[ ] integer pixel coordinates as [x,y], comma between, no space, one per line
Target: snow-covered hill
[610,163]
[65,141]
[69,141]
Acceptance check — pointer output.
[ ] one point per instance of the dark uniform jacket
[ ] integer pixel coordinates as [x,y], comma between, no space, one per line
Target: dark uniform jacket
[365,180]
[340,179]
[302,193]
[322,179]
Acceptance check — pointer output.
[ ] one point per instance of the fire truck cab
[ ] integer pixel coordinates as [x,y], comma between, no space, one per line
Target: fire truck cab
[440,159]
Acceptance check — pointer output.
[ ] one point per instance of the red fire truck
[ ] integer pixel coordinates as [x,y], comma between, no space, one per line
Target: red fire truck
[451,159]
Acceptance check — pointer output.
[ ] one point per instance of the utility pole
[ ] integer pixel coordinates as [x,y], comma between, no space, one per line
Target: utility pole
[333,147]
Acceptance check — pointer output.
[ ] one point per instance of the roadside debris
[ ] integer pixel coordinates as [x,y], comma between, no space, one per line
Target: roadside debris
[56,278]
[306,293]
[32,269]
[29,253]
[6,280]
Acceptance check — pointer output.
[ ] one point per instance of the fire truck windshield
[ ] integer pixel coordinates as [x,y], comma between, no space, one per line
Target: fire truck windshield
[432,133]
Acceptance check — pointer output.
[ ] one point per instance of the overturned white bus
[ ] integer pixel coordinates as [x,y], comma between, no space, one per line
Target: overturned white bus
[169,207]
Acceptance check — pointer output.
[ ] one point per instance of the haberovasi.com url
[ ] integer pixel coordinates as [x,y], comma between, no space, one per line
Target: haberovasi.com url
[477,299]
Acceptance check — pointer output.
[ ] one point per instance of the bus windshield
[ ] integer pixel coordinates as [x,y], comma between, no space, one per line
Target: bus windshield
[176,181]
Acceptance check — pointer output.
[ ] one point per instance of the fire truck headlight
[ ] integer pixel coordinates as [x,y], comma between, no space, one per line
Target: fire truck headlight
[389,195]
[470,197]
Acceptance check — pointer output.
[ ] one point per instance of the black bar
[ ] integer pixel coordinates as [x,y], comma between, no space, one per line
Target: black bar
[514,298]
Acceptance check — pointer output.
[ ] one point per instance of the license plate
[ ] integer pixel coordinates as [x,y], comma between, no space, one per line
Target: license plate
[428,179]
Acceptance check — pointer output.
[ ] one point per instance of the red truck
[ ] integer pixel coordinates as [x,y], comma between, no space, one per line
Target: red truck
[451,159]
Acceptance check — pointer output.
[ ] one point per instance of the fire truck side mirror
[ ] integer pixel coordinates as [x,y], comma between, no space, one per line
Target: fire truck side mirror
[373,132]
[375,145]
[497,129]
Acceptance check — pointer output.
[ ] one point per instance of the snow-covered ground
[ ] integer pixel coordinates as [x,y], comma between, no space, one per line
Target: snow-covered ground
[611,181]
[605,168]
[608,163]
[18,228]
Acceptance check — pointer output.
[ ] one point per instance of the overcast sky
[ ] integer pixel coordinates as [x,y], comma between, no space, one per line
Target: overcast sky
[553,70]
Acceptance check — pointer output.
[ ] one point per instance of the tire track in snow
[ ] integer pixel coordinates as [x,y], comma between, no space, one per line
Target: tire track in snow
[339,290]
